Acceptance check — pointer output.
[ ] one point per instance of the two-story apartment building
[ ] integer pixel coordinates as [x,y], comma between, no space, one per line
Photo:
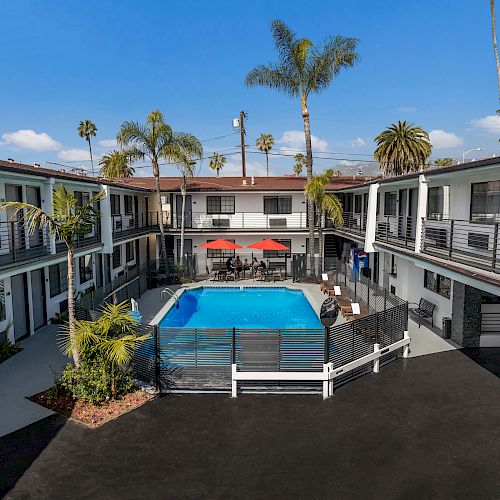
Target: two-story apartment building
[33,270]
[434,235]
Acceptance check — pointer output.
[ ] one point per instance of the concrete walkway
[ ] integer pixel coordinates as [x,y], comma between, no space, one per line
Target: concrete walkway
[25,374]
[425,341]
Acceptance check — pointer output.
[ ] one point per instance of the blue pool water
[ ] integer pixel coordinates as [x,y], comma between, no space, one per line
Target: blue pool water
[242,308]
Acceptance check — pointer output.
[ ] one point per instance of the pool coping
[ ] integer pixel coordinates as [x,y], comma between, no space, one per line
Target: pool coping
[316,306]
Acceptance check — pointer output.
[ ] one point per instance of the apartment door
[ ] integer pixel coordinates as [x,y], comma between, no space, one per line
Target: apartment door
[98,270]
[387,270]
[33,197]
[188,219]
[188,247]
[20,306]
[137,218]
[16,234]
[38,295]
[402,211]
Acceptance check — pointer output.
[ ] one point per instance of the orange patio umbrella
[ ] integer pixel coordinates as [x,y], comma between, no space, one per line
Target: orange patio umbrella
[268,245]
[220,245]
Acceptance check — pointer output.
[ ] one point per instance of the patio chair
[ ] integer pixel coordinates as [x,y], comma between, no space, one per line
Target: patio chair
[277,275]
[215,273]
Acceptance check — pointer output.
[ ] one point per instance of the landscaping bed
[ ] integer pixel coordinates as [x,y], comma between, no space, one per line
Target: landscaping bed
[87,413]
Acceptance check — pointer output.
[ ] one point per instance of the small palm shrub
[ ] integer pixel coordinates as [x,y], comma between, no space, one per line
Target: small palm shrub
[8,349]
[105,347]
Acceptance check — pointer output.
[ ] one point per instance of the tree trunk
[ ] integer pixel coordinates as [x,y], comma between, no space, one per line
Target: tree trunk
[320,236]
[163,248]
[91,159]
[309,166]
[495,48]
[183,193]
[267,163]
[71,307]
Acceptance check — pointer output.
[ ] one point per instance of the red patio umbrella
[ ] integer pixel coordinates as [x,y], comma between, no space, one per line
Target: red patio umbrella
[268,245]
[221,245]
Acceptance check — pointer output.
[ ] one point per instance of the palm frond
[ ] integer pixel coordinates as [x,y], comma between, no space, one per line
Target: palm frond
[280,78]
[33,217]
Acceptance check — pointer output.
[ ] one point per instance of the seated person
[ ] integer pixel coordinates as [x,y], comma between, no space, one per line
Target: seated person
[229,264]
[255,266]
[238,265]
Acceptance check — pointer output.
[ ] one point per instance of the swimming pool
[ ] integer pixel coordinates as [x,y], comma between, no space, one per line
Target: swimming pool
[242,307]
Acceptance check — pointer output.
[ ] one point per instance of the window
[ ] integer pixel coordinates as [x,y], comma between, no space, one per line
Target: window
[128,204]
[82,198]
[117,256]
[85,268]
[358,201]
[129,251]
[485,201]
[390,203]
[394,267]
[2,301]
[438,202]
[277,204]
[316,246]
[115,204]
[220,205]
[437,283]
[269,254]
[220,254]
[58,278]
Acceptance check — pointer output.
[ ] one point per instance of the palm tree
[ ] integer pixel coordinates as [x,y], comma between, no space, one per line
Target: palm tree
[87,129]
[326,205]
[303,69]
[495,48]
[443,162]
[217,162]
[115,165]
[187,172]
[402,148]
[67,222]
[265,143]
[300,162]
[156,140]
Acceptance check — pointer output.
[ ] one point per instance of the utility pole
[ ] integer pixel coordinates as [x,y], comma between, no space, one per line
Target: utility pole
[242,135]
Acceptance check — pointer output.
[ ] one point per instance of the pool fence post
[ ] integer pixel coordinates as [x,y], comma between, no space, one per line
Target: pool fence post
[157,358]
[234,383]
[326,382]
[376,361]
[406,348]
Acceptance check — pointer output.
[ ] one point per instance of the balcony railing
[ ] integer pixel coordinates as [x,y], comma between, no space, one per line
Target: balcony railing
[353,223]
[467,242]
[133,224]
[241,220]
[16,245]
[396,230]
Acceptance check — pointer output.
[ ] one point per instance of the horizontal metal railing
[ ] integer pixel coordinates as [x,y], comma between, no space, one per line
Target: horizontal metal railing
[463,241]
[134,223]
[353,223]
[396,230]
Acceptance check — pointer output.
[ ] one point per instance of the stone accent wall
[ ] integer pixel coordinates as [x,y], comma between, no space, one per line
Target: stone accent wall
[466,315]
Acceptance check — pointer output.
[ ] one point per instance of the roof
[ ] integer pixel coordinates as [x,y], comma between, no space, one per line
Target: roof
[283,183]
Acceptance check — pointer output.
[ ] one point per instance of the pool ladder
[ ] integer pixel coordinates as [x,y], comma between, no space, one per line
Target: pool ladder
[170,293]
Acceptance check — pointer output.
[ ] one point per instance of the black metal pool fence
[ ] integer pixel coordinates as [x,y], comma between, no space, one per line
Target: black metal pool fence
[201,359]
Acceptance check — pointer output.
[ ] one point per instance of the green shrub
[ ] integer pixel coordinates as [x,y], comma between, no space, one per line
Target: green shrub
[8,349]
[96,381]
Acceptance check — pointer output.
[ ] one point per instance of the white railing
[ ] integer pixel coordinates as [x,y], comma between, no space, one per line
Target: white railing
[328,375]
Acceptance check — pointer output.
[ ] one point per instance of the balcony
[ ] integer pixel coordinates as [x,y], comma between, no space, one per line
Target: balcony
[462,241]
[396,230]
[133,224]
[354,223]
[241,220]
[16,245]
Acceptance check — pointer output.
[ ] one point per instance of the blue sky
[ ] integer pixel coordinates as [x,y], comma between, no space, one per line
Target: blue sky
[429,62]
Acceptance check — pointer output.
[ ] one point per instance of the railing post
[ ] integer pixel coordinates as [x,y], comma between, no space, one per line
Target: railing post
[406,348]
[157,358]
[233,346]
[451,238]
[326,353]
[387,228]
[376,361]
[495,244]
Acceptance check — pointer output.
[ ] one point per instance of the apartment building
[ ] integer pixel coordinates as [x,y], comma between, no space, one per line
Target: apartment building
[434,235]
[33,270]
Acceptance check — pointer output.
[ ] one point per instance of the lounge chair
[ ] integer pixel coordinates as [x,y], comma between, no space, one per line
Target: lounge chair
[277,275]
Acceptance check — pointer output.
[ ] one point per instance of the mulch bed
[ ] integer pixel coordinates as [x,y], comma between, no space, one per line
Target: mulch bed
[87,413]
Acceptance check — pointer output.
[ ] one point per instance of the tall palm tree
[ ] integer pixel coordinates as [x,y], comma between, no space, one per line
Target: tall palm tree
[217,162]
[87,129]
[402,148]
[495,48]
[156,140]
[115,165]
[187,172]
[67,221]
[300,163]
[304,69]
[326,205]
[265,143]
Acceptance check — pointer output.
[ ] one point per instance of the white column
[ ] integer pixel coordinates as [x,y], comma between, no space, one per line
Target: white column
[106,220]
[376,362]
[234,383]
[421,210]
[371,218]
[326,382]
[406,348]
[30,303]
[47,201]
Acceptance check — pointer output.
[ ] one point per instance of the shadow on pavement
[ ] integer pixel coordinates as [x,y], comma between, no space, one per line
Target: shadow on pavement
[487,357]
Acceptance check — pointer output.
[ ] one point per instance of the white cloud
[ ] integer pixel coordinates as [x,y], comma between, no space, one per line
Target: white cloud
[358,142]
[108,143]
[233,168]
[406,109]
[29,139]
[444,140]
[490,123]
[74,154]
[294,141]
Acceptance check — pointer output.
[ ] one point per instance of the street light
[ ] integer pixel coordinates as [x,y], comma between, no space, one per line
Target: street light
[469,151]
